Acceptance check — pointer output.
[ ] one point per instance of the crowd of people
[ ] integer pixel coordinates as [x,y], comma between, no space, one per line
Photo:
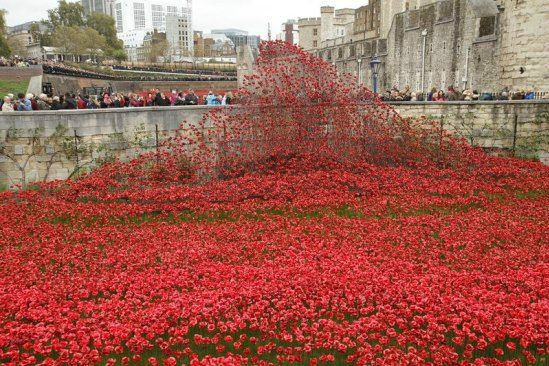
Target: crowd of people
[68,101]
[18,62]
[65,70]
[453,95]
[168,70]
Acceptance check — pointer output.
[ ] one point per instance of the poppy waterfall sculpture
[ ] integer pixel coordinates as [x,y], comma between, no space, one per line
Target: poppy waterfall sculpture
[309,225]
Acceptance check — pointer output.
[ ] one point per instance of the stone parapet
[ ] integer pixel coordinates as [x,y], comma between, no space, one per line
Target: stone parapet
[50,145]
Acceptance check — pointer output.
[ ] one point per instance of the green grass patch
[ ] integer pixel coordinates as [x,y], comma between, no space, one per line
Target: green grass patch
[13,86]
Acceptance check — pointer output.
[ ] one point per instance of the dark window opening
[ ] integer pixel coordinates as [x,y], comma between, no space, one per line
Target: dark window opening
[487,26]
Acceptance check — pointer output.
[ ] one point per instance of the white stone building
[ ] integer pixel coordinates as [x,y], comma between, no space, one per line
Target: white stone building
[135,18]
[314,33]
[180,37]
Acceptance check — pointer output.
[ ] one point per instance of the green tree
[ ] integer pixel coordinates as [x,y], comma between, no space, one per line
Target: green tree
[120,55]
[70,40]
[65,15]
[43,38]
[94,42]
[5,50]
[105,25]
[157,46]
[17,47]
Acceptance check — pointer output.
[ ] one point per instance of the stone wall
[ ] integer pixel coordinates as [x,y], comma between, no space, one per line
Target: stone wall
[19,73]
[48,145]
[518,128]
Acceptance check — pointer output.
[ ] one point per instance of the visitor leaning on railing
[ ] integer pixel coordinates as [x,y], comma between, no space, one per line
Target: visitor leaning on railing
[70,101]
[453,95]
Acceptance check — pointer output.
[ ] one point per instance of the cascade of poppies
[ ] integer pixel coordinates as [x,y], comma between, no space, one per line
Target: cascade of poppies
[296,107]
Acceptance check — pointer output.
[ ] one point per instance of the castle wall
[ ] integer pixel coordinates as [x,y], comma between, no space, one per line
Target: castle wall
[462,49]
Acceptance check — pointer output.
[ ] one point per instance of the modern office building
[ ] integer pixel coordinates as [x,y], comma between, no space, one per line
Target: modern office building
[289,32]
[230,32]
[180,37]
[98,6]
[135,18]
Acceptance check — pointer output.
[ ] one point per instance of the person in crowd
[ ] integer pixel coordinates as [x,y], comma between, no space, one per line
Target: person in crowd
[173,97]
[486,97]
[475,95]
[69,101]
[180,100]
[504,95]
[56,104]
[116,101]
[452,95]
[158,99]
[43,103]
[149,101]
[93,102]
[439,96]
[530,95]
[81,103]
[228,98]
[211,99]
[134,101]
[105,101]
[7,106]
[24,102]
[166,100]
[431,94]
[413,97]
[34,102]
[467,95]
[191,98]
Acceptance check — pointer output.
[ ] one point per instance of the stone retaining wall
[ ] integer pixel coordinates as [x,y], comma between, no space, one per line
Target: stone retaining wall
[48,145]
[514,127]
[19,73]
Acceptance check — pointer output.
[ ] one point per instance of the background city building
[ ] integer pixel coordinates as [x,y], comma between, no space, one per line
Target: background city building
[98,6]
[289,32]
[180,37]
[135,19]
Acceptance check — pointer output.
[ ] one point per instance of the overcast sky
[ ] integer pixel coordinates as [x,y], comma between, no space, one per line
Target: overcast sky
[250,15]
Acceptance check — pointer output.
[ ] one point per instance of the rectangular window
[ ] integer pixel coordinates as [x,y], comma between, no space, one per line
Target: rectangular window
[487,26]
[352,51]
[139,15]
[315,31]
[340,52]
[315,44]
[158,16]
[119,27]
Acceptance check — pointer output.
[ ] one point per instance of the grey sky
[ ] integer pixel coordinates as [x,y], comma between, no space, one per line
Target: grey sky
[250,15]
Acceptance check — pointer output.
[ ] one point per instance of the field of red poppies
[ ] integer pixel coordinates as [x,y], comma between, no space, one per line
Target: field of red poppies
[309,226]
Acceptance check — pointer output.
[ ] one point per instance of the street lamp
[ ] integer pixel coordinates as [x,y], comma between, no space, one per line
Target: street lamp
[374,64]
[424,35]
[359,60]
